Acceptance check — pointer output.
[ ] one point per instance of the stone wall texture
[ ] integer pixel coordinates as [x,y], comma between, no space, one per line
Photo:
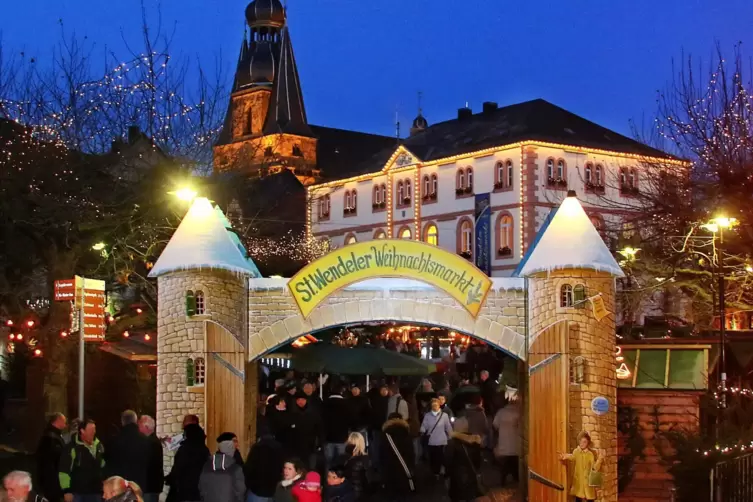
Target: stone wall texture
[181,337]
[275,320]
[593,340]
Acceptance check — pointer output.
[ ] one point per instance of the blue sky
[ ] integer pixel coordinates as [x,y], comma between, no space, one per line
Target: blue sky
[361,60]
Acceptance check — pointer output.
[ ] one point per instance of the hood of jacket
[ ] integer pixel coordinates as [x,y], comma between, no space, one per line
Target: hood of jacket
[395,422]
[194,433]
[220,462]
[466,438]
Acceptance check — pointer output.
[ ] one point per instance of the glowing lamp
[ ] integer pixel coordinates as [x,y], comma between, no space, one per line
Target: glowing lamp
[30,323]
[63,334]
[12,336]
[19,337]
[186,194]
[629,252]
[98,246]
[139,311]
[37,352]
[126,334]
[147,337]
[623,372]
[9,322]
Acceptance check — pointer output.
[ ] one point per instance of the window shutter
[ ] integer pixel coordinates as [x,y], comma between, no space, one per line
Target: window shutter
[190,304]
[579,296]
[189,372]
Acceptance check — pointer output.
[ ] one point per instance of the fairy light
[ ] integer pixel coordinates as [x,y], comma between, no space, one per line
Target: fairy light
[520,201]
[390,209]
[416,205]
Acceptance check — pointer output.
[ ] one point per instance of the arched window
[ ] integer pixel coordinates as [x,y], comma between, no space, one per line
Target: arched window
[505,236]
[350,239]
[379,234]
[405,233]
[297,152]
[598,175]
[377,196]
[200,371]
[384,194]
[324,207]
[346,204]
[407,192]
[566,295]
[587,174]
[632,178]
[427,187]
[354,200]
[460,180]
[190,303]
[434,183]
[561,169]
[201,306]
[248,129]
[509,179]
[550,168]
[500,175]
[400,192]
[469,179]
[465,238]
[623,178]
[431,235]
[579,296]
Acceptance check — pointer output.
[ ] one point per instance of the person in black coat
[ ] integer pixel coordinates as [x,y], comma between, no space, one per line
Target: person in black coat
[263,468]
[48,454]
[187,466]
[397,469]
[463,462]
[306,435]
[336,425]
[126,455]
[155,474]
[358,410]
[356,464]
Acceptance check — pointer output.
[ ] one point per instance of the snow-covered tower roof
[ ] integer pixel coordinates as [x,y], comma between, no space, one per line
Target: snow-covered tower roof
[202,241]
[570,241]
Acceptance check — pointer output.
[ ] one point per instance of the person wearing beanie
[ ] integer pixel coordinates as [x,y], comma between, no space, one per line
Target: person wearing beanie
[222,478]
[306,432]
[230,436]
[310,490]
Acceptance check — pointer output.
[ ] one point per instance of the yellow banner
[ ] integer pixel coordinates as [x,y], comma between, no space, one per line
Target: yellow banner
[600,310]
[449,272]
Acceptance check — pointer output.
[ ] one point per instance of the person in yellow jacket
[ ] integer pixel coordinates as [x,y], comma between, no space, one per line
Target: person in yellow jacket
[585,460]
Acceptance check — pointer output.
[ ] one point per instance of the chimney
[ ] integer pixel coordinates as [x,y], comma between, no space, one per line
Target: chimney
[489,106]
[464,113]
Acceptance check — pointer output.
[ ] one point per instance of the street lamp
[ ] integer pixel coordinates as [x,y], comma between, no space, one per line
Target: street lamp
[717,226]
[186,194]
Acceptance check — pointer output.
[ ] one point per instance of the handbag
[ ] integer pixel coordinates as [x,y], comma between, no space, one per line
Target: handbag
[402,462]
[425,437]
[595,479]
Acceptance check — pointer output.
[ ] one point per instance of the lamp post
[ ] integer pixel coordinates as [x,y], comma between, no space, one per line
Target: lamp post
[717,226]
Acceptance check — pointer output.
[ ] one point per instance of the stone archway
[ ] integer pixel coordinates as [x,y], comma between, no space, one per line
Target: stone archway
[274,319]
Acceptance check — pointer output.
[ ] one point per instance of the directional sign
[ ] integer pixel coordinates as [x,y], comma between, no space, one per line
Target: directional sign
[65,290]
[87,295]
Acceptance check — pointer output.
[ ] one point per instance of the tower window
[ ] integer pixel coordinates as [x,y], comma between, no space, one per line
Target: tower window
[248,126]
[190,303]
[566,295]
[200,371]
[579,296]
[200,303]
[190,372]
[268,151]
[431,236]
[297,151]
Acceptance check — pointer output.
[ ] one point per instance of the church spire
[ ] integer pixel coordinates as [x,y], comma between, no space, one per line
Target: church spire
[286,112]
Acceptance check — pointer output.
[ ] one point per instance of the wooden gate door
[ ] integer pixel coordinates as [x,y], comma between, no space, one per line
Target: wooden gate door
[224,385]
[547,410]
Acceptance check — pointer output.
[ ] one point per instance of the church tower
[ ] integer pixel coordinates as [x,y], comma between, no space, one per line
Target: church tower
[266,129]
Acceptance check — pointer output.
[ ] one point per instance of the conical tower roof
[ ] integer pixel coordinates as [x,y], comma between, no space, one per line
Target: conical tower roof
[202,241]
[570,241]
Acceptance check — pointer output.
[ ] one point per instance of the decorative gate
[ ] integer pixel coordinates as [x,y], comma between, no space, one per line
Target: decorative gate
[224,385]
[548,422]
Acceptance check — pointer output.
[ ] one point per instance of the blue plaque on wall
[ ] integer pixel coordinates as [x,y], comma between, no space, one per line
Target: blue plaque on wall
[483,233]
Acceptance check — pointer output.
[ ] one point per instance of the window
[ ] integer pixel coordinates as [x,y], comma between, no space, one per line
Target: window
[623,178]
[505,236]
[434,185]
[268,152]
[427,186]
[190,372]
[587,174]
[550,168]
[469,179]
[407,192]
[351,202]
[460,180]
[190,303]
[598,178]
[297,152]
[465,236]
[508,168]
[200,371]
[324,207]
[350,239]
[400,192]
[500,175]
[200,303]
[579,296]
[566,295]
[379,234]
[632,178]
[354,200]
[248,128]
[431,236]
[561,169]
[384,194]
[405,233]
[347,201]
[377,196]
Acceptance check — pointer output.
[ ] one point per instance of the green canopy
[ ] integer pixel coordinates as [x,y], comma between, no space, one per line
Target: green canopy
[327,358]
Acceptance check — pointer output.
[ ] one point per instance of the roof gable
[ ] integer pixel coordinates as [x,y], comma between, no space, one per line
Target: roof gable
[570,241]
[202,241]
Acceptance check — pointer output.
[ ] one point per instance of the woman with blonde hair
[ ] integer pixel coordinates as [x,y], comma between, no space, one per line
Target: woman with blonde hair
[357,464]
[117,489]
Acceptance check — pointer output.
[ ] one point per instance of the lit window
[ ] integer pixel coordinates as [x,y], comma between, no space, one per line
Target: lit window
[200,303]
[350,239]
[405,233]
[566,295]
[561,169]
[431,235]
[200,371]
[598,175]
[587,173]
[508,168]
[505,235]
[550,168]
[379,234]
[466,237]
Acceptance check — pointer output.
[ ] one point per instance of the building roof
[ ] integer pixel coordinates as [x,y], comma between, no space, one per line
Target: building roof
[286,113]
[341,153]
[536,120]
[570,241]
[202,241]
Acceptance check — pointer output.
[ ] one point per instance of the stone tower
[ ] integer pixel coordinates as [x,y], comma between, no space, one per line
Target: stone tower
[266,128]
[571,272]
[202,278]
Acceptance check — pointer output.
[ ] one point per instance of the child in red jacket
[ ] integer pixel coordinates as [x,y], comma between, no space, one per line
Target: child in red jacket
[310,490]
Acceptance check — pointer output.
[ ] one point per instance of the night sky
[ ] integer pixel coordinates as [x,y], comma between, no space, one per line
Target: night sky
[361,60]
